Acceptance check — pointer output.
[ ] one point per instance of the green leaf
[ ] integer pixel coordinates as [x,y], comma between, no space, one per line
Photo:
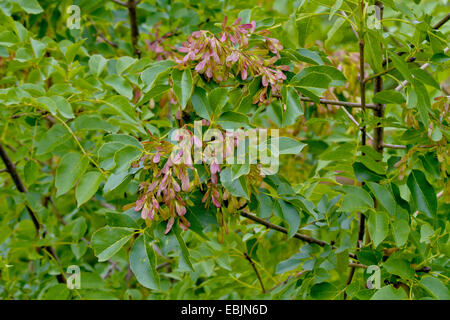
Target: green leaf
[47,104]
[217,99]
[423,76]
[401,66]
[114,181]
[422,193]
[399,267]
[324,291]
[122,107]
[97,64]
[233,120]
[201,104]
[336,76]
[123,219]
[337,5]
[389,96]
[182,86]
[435,287]
[38,47]
[122,86]
[384,196]
[372,50]
[238,187]
[71,167]
[389,293]
[63,107]
[87,186]
[107,241]
[153,93]
[291,216]
[356,199]
[123,63]
[312,79]
[92,122]
[57,292]
[238,170]
[184,250]
[426,233]
[363,173]
[72,50]
[303,55]
[286,145]
[30,6]
[423,101]
[378,226]
[125,156]
[31,172]
[143,263]
[401,230]
[292,105]
[150,74]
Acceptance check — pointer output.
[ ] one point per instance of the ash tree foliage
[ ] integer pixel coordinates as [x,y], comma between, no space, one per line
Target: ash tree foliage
[96,187]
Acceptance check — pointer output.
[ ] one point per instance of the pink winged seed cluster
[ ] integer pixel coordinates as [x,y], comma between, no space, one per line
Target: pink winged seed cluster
[216,58]
[163,196]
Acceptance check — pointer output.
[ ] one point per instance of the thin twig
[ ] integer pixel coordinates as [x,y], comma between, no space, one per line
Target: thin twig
[11,168]
[393,146]
[119,3]
[252,263]
[423,67]
[349,115]
[339,103]
[102,36]
[131,5]
[426,65]
[362,83]
[442,22]
[295,276]
[297,235]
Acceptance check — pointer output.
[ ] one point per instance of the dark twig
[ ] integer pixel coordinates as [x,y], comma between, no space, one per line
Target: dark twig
[11,168]
[297,235]
[120,3]
[340,103]
[131,5]
[442,22]
[252,263]
[103,37]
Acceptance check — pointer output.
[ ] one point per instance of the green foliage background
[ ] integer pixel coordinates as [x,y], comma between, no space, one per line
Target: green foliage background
[78,105]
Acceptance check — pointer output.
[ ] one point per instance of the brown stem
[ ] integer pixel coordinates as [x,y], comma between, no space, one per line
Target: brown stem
[119,3]
[131,5]
[252,263]
[378,133]
[362,83]
[340,103]
[281,229]
[442,22]
[103,37]
[11,168]
[297,235]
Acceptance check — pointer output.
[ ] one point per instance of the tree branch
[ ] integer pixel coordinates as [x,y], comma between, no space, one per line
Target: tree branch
[340,103]
[362,83]
[393,146]
[131,5]
[120,3]
[297,235]
[252,263]
[442,22]
[426,65]
[11,168]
